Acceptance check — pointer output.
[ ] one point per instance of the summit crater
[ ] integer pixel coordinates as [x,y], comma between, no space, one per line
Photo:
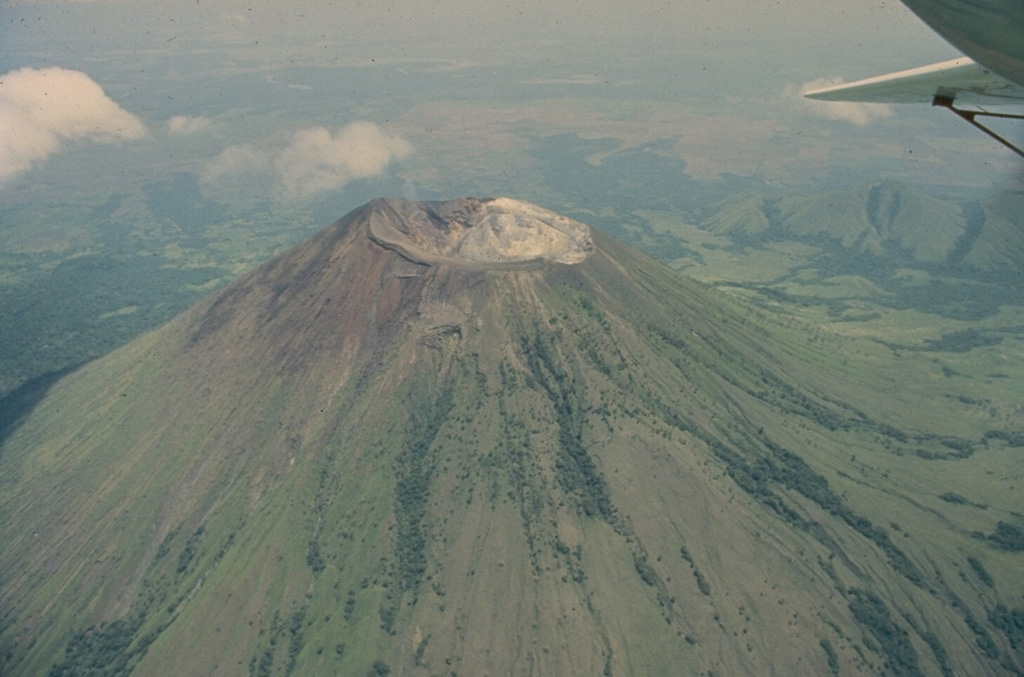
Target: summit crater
[491,233]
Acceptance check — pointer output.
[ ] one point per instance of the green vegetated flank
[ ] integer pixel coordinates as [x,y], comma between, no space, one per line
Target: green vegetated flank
[525,485]
[981,637]
[1013,439]
[940,653]
[188,552]
[830,656]
[556,371]
[572,560]
[702,583]
[321,502]
[981,571]
[1005,536]
[114,648]
[412,488]
[892,640]
[379,669]
[757,464]
[1010,621]
[961,341]
[108,649]
[721,358]
[577,473]
[645,571]
[932,640]
[284,643]
[959,499]
[420,650]
[783,468]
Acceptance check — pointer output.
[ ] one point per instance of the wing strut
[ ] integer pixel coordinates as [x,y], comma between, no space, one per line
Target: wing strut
[970,115]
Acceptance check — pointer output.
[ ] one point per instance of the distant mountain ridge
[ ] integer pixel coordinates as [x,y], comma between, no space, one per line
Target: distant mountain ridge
[885,219]
[393,450]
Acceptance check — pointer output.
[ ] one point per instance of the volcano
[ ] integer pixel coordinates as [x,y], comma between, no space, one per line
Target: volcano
[479,438]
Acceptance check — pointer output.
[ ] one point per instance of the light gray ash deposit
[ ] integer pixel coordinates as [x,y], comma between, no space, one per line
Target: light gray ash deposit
[495,232]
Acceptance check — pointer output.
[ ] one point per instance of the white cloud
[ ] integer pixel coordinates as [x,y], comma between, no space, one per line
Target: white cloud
[311,160]
[240,165]
[859,114]
[184,124]
[40,108]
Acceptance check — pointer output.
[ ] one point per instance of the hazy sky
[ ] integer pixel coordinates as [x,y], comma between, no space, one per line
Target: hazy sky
[298,97]
[833,35]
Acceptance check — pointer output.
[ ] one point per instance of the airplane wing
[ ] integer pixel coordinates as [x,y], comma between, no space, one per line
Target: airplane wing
[991,31]
[960,80]
[949,84]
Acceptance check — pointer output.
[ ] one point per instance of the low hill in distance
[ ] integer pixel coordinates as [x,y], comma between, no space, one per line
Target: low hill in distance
[873,229]
[888,221]
[477,437]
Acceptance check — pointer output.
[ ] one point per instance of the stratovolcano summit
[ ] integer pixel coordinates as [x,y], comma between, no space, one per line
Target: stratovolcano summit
[477,437]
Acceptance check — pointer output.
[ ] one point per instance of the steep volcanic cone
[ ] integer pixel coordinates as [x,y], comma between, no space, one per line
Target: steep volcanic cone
[477,438]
